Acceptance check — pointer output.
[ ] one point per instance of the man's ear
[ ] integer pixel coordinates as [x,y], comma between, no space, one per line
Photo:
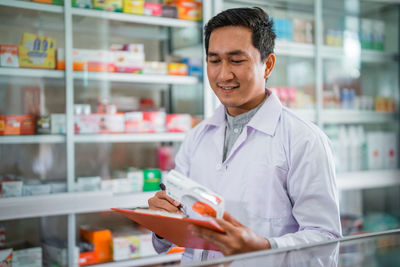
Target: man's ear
[269,65]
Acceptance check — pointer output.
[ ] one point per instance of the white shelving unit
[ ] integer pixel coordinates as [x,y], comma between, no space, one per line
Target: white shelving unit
[32,6]
[32,139]
[39,73]
[67,203]
[356,116]
[143,261]
[368,179]
[286,48]
[135,78]
[371,56]
[129,138]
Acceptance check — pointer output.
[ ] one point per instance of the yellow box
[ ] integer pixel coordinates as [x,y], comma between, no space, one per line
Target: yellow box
[109,5]
[37,51]
[133,7]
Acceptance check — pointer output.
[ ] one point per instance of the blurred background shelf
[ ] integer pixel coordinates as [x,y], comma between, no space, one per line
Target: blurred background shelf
[32,6]
[356,116]
[287,48]
[129,138]
[143,261]
[32,139]
[136,78]
[368,179]
[68,203]
[142,19]
[369,56]
[40,73]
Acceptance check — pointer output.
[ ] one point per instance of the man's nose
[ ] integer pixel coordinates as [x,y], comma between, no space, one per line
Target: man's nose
[225,72]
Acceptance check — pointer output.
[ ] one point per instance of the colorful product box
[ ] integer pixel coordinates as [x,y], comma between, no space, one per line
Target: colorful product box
[187,9]
[155,67]
[37,51]
[28,257]
[100,238]
[152,9]
[109,5]
[133,7]
[112,123]
[88,60]
[169,11]
[52,2]
[145,122]
[9,125]
[179,122]
[180,69]
[43,124]
[128,62]
[87,123]
[88,258]
[82,3]
[152,179]
[9,55]
[195,66]
[125,247]
[17,124]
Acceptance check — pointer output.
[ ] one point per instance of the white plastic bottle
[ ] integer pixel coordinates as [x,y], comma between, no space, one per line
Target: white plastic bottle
[343,149]
[363,156]
[354,149]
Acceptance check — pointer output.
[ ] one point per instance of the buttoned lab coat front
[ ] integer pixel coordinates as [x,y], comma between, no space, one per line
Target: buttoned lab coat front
[278,178]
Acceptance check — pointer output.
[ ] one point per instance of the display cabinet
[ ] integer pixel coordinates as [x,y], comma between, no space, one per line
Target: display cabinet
[337,65]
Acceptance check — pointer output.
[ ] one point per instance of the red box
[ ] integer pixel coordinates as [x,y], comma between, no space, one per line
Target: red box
[179,122]
[88,258]
[17,124]
[152,9]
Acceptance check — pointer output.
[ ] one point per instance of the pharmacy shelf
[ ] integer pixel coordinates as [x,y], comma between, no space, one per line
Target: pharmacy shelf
[356,116]
[286,48]
[32,6]
[306,114]
[40,73]
[32,139]
[136,78]
[368,179]
[68,203]
[129,138]
[142,19]
[166,258]
[370,56]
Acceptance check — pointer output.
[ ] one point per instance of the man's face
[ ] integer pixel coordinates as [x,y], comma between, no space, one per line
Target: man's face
[235,71]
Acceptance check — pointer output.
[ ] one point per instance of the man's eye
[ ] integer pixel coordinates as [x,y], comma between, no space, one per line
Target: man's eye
[214,61]
[237,61]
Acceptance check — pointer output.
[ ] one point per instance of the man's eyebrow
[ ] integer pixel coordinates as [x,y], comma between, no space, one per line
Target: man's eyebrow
[230,53]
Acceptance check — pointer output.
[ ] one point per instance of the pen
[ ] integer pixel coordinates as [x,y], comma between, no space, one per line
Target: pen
[162,187]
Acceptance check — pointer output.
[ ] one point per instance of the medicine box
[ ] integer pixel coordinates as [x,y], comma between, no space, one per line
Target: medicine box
[82,3]
[9,55]
[31,257]
[177,69]
[128,62]
[37,51]
[152,179]
[133,7]
[34,190]
[155,67]
[101,240]
[11,188]
[179,122]
[152,9]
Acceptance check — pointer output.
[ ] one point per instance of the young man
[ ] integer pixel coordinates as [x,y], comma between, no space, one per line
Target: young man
[274,170]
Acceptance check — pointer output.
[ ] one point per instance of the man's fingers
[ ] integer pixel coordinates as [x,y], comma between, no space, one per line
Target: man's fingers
[228,217]
[161,201]
[218,239]
[163,195]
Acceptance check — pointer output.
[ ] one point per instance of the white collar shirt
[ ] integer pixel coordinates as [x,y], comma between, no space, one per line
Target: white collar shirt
[278,179]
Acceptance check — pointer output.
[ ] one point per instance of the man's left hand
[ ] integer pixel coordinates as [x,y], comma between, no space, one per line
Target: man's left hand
[236,239]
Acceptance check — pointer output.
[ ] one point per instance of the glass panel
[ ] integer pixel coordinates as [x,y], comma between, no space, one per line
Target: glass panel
[360,100]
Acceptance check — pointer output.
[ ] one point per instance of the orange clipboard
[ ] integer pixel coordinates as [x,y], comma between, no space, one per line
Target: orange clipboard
[173,229]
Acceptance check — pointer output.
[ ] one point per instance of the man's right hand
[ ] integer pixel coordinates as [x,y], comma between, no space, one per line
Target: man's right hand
[161,201]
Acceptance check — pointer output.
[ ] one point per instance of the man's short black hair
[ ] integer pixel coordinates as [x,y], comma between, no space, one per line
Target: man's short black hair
[255,19]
